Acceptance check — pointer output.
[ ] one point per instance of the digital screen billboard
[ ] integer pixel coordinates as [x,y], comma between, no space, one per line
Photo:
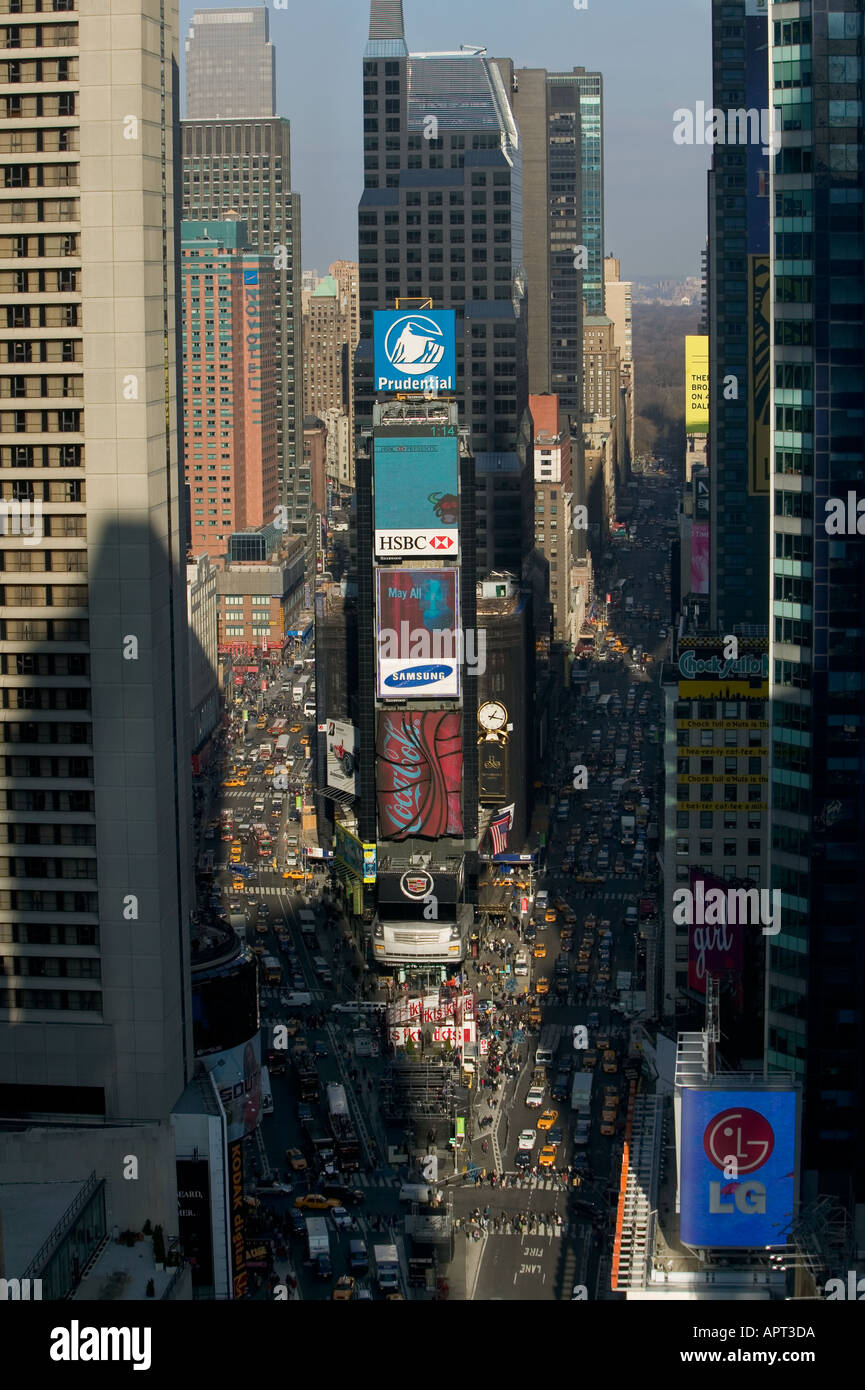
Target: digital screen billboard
[714,948]
[415,351]
[418,633]
[699,557]
[359,857]
[341,756]
[738,1171]
[416,496]
[418,774]
[696,384]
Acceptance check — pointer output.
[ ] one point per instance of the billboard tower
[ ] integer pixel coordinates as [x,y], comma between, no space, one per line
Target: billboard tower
[413,754]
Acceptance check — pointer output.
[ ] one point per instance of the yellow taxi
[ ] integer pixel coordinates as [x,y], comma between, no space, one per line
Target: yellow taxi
[540,951]
[534,1014]
[232,782]
[547,1156]
[343,1289]
[316,1201]
[268,771]
[550,915]
[542,986]
[237,885]
[547,1119]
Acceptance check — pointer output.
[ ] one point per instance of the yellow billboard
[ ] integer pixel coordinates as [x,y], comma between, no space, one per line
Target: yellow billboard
[696,384]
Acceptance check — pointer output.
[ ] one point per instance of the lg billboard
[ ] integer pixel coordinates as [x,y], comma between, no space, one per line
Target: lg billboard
[416,496]
[738,1173]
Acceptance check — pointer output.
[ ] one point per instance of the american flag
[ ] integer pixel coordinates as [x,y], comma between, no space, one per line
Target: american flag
[500,827]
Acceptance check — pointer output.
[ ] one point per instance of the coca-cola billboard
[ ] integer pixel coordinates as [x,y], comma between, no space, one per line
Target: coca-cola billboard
[418,774]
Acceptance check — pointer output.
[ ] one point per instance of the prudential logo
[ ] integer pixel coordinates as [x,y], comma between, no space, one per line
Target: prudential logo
[415,352]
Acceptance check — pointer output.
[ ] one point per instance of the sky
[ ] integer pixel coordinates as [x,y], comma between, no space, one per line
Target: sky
[655,57]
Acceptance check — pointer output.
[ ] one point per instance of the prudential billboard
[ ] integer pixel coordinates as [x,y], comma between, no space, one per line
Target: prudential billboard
[415,351]
[738,1173]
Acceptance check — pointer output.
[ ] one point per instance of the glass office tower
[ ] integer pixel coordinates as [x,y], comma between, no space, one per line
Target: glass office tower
[816,969]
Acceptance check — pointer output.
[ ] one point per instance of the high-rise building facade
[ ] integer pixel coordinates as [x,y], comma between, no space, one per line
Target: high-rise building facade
[230,65]
[546,108]
[618,296]
[441,216]
[816,968]
[326,360]
[601,364]
[591,85]
[240,163]
[229,392]
[737,280]
[553,504]
[95,804]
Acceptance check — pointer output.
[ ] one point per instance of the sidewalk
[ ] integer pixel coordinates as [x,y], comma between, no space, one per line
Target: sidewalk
[463,1271]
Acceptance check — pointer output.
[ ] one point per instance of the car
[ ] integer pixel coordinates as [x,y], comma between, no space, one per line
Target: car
[542,986]
[550,914]
[547,1156]
[296,1161]
[346,1196]
[343,1289]
[319,1049]
[539,952]
[554,1135]
[547,1119]
[316,1201]
[297,1222]
[342,1219]
[522,1159]
[233,782]
[526,1141]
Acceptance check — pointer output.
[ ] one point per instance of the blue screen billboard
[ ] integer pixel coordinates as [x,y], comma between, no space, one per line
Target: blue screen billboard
[416,496]
[738,1170]
[415,351]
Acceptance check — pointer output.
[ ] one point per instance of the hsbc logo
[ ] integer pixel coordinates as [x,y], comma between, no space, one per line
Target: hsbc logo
[398,543]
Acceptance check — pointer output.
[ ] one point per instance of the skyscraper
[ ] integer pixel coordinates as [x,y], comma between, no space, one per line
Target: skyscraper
[816,970]
[738,283]
[441,216]
[95,905]
[229,369]
[230,65]
[241,163]
[591,85]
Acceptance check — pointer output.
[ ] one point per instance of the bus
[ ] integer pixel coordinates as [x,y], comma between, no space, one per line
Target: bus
[282,746]
[266,1093]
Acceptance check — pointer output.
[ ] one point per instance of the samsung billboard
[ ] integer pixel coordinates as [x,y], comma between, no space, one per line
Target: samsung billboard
[738,1170]
[416,496]
[415,352]
[418,634]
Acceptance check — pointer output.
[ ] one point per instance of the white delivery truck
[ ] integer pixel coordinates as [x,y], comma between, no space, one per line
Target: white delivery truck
[318,1244]
[386,1261]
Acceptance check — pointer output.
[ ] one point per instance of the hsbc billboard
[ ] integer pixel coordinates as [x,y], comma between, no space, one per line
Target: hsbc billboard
[416,478]
[397,544]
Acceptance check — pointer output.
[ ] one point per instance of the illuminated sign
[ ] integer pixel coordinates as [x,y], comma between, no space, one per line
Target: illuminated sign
[415,351]
[341,755]
[418,633]
[738,1175]
[416,509]
[418,775]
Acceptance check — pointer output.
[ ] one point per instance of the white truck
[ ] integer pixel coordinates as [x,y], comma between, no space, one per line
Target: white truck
[628,825]
[318,1244]
[548,1044]
[386,1262]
